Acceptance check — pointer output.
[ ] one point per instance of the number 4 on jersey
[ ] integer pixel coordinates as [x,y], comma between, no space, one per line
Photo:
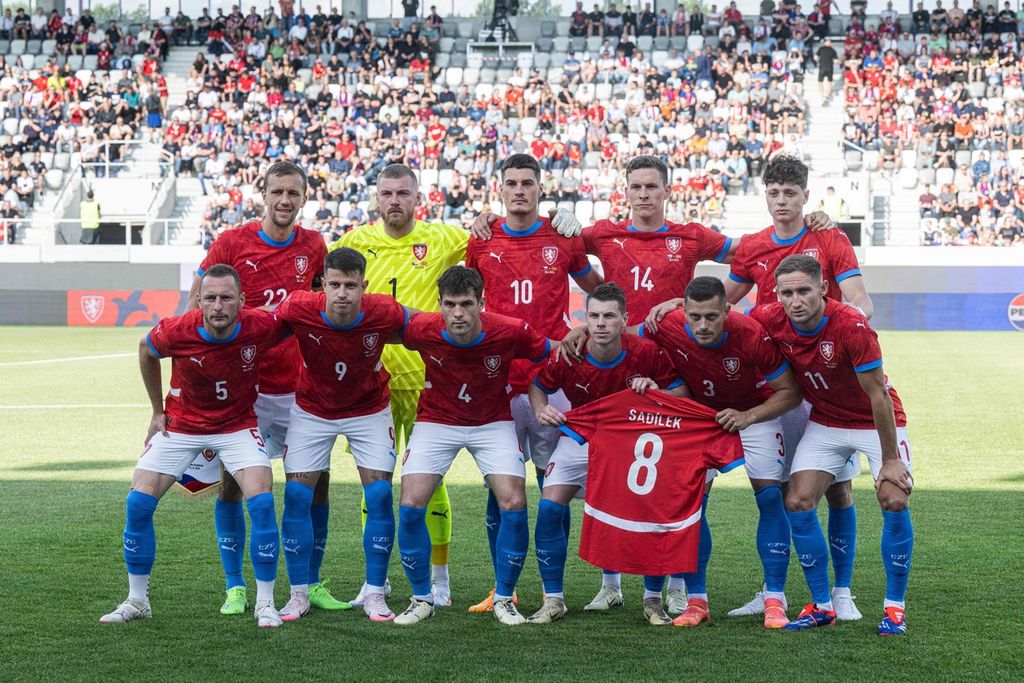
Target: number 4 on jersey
[463,396]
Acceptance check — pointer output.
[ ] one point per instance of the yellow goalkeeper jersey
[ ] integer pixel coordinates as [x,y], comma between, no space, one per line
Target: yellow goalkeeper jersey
[407,268]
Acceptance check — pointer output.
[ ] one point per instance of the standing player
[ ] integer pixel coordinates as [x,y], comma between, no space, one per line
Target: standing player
[838,362]
[526,267]
[754,263]
[342,390]
[612,361]
[274,257]
[464,404]
[404,258]
[209,410]
[730,363]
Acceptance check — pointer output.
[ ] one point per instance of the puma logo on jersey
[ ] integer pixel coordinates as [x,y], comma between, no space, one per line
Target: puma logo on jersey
[250,263]
[585,387]
[621,243]
[862,325]
[317,339]
[763,264]
[684,354]
[439,361]
[497,257]
[789,346]
[372,251]
[197,361]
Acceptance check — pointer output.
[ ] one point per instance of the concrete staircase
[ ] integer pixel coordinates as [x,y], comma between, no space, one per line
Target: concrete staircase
[190,204]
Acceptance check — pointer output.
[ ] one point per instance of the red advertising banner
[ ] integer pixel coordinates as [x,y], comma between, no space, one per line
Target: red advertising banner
[123,308]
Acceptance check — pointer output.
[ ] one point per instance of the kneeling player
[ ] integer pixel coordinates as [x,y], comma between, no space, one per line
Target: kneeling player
[342,390]
[612,361]
[464,404]
[730,362]
[838,362]
[209,409]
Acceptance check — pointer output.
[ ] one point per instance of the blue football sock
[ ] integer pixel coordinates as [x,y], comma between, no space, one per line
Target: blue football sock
[139,536]
[297,531]
[551,544]
[654,584]
[697,582]
[319,514]
[379,531]
[842,541]
[540,482]
[773,537]
[493,522]
[229,521]
[812,552]
[263,537]
[414,548]
[567,523]
[897,551]
[512,543]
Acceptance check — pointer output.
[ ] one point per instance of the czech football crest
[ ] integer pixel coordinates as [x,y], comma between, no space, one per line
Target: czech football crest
[828,350]
[813,253]
[370,340]
[301,263]
[209,454]
[492,362]
[732,365]
[673,244]
[92,307]
[550,255]
[248,353]
[419,251]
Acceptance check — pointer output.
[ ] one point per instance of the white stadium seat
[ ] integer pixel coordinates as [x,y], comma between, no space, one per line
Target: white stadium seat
[453,76]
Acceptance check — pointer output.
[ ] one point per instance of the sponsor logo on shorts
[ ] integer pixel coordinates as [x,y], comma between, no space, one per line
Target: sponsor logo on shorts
[549,469]
[1015,312]
[492,362]
[405,456]
[732,365]
[828,350]
[248,353]
[92,307]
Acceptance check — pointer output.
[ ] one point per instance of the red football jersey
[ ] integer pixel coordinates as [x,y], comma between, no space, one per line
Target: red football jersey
[526,276]
[591,379]
[826,361]
[731,374]
[342,374]
[269,271]
[652,267]
[467,384]
[649,456]
[758,256]
[214,381]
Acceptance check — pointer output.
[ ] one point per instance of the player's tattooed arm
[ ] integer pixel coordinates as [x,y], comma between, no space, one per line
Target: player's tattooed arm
[546,414]
[893,470]
[659,312]
[817,221]
[149,365]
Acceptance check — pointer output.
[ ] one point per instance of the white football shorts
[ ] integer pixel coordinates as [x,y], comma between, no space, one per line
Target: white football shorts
[794,423]
[172,454]
[568,465]
[371,440]
[538,440]
[494,446]
[764,454]
[831,449]
[272,414]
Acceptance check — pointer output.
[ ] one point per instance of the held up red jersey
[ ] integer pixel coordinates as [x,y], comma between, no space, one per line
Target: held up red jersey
[645,479]
[826,361]
[652,266]
[342,374]
[270,270]
[591,379]
[731,374]
[213,381]
[526,276]
[467,384]
[758,256]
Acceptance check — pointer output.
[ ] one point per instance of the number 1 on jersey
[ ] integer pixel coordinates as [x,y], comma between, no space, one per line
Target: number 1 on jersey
[394,287]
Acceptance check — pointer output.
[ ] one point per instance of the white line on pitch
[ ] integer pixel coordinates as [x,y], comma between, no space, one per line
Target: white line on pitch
[70,359]
[71,406]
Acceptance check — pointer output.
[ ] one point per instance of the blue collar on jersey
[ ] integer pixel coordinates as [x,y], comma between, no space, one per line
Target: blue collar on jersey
[725,335]
[663,228]
[521,233]
[213,340]
[447,338]
[359,319]
[275,243]
[810,333]
[610,364]
[789,240]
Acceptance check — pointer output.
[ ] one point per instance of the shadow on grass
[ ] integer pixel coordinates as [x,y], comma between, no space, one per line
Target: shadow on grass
[74,466]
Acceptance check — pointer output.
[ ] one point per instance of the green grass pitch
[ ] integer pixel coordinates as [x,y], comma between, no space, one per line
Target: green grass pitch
[64,474]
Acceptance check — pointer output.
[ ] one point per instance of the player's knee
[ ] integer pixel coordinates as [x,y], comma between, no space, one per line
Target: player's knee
[379,499]
[321,492]
[297,497]
[511,500]
[839,495]
[230,491]
[892,501]
[797,501]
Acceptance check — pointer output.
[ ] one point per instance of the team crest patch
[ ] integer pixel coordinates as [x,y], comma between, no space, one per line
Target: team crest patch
[550,469]
[492,362]
[370,340]
[828,350]
[92,307]
[248,353]
[209,454]
[813,253]
[732,365]
[550,255]
[301,263]
[419,251]
[673,244]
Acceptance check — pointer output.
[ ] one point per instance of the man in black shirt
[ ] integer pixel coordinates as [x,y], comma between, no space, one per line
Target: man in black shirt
[921,19]
[647,25]
[578,22]
[825,58]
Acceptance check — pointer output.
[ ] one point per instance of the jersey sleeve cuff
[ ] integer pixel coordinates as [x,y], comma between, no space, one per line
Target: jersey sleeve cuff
[675,384]
[151,347]
[572,435]
[868,367]
[742,280]
[581,273]
[536,383]
[778,371]
[200,271]
[543,356]
[725,250]
[852,272]
[731,466]
[748,310]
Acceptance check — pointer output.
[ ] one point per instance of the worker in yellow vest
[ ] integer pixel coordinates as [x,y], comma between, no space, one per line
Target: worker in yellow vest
[89,212]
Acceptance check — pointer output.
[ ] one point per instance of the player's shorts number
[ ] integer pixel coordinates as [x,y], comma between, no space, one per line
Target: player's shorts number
[274,296]
[641,280]
[341,369]
[463,395]
[221,388]
[647,464]
[522,291]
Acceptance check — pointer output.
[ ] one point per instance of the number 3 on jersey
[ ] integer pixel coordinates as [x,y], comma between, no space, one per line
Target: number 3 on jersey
[645,463]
